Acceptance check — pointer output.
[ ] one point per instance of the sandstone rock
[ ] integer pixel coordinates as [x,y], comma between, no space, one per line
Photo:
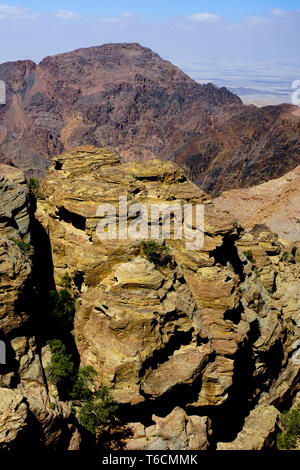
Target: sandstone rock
[148,328]
[275,204]
[13,418]
[182,368]
[14,213]
[15,274]
[177,431]
[259,431]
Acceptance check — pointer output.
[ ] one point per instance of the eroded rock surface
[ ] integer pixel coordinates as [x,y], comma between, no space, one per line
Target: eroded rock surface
[210,331]
[26,416]
[275,203]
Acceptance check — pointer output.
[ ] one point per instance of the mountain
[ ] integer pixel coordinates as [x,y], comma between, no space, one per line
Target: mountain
[128,99]
[275,204]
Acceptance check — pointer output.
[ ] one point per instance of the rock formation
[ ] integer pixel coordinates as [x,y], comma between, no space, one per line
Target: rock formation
[204,339]
[197,347]
[275,203]
[27,418]
[126,98]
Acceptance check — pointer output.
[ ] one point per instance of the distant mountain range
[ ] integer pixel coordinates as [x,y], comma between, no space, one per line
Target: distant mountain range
[125,97]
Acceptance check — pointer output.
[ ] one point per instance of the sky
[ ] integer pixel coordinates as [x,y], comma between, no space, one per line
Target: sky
[252,47]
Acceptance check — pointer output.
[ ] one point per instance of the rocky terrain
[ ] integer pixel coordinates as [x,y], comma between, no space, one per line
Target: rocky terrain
[275,204]
[126,98]
[197,348]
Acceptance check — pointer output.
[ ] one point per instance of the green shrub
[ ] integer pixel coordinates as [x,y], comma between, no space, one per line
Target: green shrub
[83,384]
[61,370]
[290,422]
[62,309]
[249,256]
[66,281]
[35,188]
[97,411]
[156,253]
[24,247]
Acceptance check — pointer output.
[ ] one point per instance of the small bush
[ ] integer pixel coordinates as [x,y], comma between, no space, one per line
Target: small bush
[24,247]
[35,188]
[66,281]
[97,411]
[156,253]
[83,384]
[62,308]
[61,370]
[249,256]
[290,422]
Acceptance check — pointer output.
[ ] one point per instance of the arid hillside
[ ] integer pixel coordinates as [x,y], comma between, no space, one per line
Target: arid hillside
[128,99]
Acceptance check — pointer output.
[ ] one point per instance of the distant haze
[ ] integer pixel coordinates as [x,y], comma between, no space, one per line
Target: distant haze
[256,56]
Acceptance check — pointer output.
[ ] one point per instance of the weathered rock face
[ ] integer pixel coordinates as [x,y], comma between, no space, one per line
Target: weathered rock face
[26,417]
[177,431]
[13,418]
[275,204]
[126,98]
[14,214]
[258,433]
[15,275]
[206,336]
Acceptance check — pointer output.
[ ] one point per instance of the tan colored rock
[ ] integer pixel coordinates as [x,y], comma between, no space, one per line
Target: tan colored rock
[146,328]
[14,212]
[182,368]
[13,418]
[139,273]
[15,274]
[177,431]
[275,204]
[259,431]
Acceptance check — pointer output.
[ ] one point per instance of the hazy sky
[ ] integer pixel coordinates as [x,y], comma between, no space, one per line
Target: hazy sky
[252,44]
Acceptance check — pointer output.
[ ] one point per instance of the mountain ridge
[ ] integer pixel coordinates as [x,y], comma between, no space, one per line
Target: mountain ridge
[126,98]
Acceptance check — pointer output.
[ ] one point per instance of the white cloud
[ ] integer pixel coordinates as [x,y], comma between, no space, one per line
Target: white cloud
[203,17]
[16,13]
[278,12]
[65,14]
[128,14]
[256,20]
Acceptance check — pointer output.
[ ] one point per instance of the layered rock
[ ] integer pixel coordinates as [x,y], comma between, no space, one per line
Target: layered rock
[26,417]
[177,431]
[259,431]
[275,204]
[191,335]
[14,214]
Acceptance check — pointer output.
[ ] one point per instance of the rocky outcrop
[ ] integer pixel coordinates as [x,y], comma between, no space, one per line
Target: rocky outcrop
[177,431]
[197,346]
[128,99]
[275,204]
[29,416]
[207,335]
[15,274]
[259,431]
[13,418]
[14,214]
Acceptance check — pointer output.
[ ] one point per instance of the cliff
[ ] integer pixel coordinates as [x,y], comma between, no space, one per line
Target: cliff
[196,347]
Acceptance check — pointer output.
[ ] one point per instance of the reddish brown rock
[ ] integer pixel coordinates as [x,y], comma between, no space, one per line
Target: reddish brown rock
[128,99]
